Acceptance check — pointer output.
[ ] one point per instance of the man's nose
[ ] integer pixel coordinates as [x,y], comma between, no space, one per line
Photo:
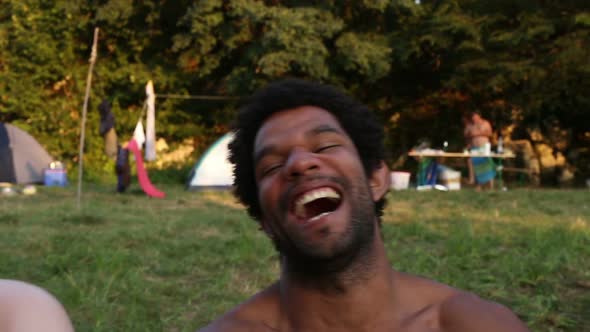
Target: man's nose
[301,162]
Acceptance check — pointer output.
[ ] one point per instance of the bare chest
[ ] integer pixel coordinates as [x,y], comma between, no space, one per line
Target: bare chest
[426,320]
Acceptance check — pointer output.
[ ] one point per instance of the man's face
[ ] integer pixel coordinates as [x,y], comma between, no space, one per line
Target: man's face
[313,191]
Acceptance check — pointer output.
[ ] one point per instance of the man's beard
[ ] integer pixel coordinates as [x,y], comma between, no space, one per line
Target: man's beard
[351,252]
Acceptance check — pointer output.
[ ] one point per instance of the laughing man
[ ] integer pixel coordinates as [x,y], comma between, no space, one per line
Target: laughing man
[309,168]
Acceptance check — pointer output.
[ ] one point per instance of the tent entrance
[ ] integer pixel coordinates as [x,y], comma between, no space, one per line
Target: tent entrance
[6,162]
[22,158]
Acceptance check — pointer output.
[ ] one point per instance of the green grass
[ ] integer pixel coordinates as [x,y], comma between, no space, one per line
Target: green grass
[130,263]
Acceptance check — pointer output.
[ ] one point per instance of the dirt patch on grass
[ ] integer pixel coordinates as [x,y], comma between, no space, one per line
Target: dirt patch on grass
[85,219]
[580,224]
[210,232]
[223,199]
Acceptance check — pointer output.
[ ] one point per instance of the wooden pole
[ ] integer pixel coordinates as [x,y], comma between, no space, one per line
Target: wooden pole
[84,111]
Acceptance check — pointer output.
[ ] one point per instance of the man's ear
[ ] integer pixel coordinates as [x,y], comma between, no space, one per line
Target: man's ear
[380,181]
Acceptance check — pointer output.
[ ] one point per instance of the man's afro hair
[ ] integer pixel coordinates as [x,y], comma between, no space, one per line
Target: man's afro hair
[356,119]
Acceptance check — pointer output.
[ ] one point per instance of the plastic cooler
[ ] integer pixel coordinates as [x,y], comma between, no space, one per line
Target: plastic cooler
[450,179]
[55,177]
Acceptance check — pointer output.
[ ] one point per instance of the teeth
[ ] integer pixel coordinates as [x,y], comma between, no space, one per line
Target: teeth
[313,195]
[318,216]
[299,210]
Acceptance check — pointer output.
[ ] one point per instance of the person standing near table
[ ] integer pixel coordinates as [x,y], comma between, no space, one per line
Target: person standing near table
[477,133]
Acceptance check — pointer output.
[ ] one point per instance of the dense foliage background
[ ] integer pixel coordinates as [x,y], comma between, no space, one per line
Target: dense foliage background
[419,64]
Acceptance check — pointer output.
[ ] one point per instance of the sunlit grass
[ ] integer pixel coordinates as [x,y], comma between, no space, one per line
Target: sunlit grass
[130,263]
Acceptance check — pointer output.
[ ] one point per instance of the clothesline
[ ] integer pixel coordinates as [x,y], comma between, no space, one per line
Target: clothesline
[201,97]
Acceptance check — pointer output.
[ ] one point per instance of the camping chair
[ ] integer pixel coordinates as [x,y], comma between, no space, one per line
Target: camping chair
[427,172]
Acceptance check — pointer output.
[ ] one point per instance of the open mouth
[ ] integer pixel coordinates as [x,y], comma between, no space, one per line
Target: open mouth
[317,203]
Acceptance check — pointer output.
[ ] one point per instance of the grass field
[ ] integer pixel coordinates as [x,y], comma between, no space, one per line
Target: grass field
[130,263]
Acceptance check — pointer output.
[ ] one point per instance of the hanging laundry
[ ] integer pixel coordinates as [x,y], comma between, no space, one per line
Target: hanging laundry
[138,134]
[107,129]
[150,140]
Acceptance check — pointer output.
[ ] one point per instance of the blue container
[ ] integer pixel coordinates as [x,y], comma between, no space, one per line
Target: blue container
[55,177]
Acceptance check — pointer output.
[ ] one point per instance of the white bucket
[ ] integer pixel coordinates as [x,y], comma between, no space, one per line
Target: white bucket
[400,180]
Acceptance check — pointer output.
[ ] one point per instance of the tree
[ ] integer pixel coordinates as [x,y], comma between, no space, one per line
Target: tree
[419,66]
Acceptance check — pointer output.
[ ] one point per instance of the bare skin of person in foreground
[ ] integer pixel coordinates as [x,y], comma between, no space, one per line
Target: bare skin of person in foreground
[28,308]
[309,168]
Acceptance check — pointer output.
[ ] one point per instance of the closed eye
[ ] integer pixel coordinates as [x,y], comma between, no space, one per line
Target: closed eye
[326,148]
[271,169]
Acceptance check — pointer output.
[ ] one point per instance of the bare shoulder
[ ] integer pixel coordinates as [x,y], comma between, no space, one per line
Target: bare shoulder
[465,311]
[25,307]
[422,291]
[259,313]
[451,309]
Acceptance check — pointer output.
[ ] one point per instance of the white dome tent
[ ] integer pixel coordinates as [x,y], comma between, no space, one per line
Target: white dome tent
[213,170]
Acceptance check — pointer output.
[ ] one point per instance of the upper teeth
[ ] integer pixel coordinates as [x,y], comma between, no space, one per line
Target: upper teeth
[313,195]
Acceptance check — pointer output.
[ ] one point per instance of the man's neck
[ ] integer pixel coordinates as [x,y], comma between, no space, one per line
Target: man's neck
[356,300]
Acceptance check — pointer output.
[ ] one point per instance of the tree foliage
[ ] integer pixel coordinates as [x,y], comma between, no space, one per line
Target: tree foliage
[419,66]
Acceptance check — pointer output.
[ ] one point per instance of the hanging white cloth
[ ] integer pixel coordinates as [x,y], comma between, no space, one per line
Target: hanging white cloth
[150,133]
[138,134]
